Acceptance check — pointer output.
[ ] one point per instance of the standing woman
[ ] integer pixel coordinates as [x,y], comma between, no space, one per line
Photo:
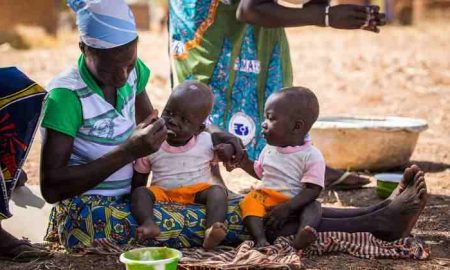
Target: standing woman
[240,49]
[20,106]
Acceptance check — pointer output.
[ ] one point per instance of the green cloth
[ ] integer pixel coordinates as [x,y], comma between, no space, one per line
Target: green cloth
[242,63]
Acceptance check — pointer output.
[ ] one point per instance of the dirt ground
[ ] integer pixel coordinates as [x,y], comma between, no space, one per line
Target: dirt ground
[403,71]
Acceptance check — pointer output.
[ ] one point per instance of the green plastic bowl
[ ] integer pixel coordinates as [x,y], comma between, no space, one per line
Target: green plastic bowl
[386,183]
[151,258]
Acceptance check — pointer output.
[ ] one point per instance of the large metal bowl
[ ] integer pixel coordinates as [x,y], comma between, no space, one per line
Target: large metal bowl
[366,143]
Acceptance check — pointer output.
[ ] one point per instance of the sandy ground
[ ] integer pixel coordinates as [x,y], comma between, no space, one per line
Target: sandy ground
[403,71]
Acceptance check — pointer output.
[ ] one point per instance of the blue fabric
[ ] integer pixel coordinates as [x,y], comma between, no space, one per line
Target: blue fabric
[80,221]
[219,84]
[20,106]
[104,24]
[186,18]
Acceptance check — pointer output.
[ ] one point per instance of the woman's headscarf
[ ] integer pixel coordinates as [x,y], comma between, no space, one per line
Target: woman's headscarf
[104,24]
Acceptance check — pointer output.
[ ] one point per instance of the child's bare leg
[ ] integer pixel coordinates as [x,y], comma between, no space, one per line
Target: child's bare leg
[142,201]
[309,220]
[217,177]
[216,200]
[255,226]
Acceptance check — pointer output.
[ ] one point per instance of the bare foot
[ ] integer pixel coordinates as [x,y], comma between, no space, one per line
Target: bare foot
[214,235]
[261,243]
[23,178]
[149,229]
[400,216]
[408,178]
[305,237]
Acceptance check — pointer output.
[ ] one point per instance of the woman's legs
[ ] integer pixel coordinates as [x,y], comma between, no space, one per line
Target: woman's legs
[394,221]
[408,177]
[391,222]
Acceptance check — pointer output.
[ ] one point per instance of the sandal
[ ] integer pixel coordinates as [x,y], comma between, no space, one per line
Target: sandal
[25,252]
[340,185]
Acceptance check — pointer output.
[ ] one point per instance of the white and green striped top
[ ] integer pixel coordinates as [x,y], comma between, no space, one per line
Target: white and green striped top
[76,106]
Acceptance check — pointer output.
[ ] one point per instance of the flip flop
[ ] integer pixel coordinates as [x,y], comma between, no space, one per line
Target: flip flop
[15,254]
[339,185]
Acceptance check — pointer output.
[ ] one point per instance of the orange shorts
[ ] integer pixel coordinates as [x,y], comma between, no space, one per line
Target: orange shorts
[184,195]
[257,202]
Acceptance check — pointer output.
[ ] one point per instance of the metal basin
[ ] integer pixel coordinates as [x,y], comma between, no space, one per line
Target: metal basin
[366,143]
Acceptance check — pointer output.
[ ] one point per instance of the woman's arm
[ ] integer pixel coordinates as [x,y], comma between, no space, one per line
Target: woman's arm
[60,181]
[143,107]
[267,13]
[248,166]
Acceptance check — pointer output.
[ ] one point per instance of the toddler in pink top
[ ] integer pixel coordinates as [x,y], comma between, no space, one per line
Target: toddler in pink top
[291,170]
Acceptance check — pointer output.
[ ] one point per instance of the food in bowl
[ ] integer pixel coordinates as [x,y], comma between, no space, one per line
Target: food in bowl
[151,258]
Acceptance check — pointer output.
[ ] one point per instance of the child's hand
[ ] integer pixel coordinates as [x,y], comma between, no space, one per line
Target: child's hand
[356,17]
[277,217]
[224,152]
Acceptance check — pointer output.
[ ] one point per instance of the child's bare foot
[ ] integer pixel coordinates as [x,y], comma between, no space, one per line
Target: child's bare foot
[305,237]
[149,229]
[214,235]
[261,243]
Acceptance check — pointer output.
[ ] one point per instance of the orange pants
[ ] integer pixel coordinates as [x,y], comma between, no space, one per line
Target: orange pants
[184,195]
[257,202]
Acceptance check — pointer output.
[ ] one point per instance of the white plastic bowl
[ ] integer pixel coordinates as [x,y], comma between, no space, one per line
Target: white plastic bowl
[367,143]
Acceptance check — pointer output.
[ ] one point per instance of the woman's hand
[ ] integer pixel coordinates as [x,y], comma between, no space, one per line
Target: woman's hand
[147,137]
[225,152]
[356,17]
[220,137]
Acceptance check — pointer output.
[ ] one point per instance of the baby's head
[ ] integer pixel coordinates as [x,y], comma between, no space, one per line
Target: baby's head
[186,111]
[289,115]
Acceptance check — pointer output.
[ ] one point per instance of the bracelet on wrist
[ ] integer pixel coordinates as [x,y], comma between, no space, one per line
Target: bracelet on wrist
[327,16]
